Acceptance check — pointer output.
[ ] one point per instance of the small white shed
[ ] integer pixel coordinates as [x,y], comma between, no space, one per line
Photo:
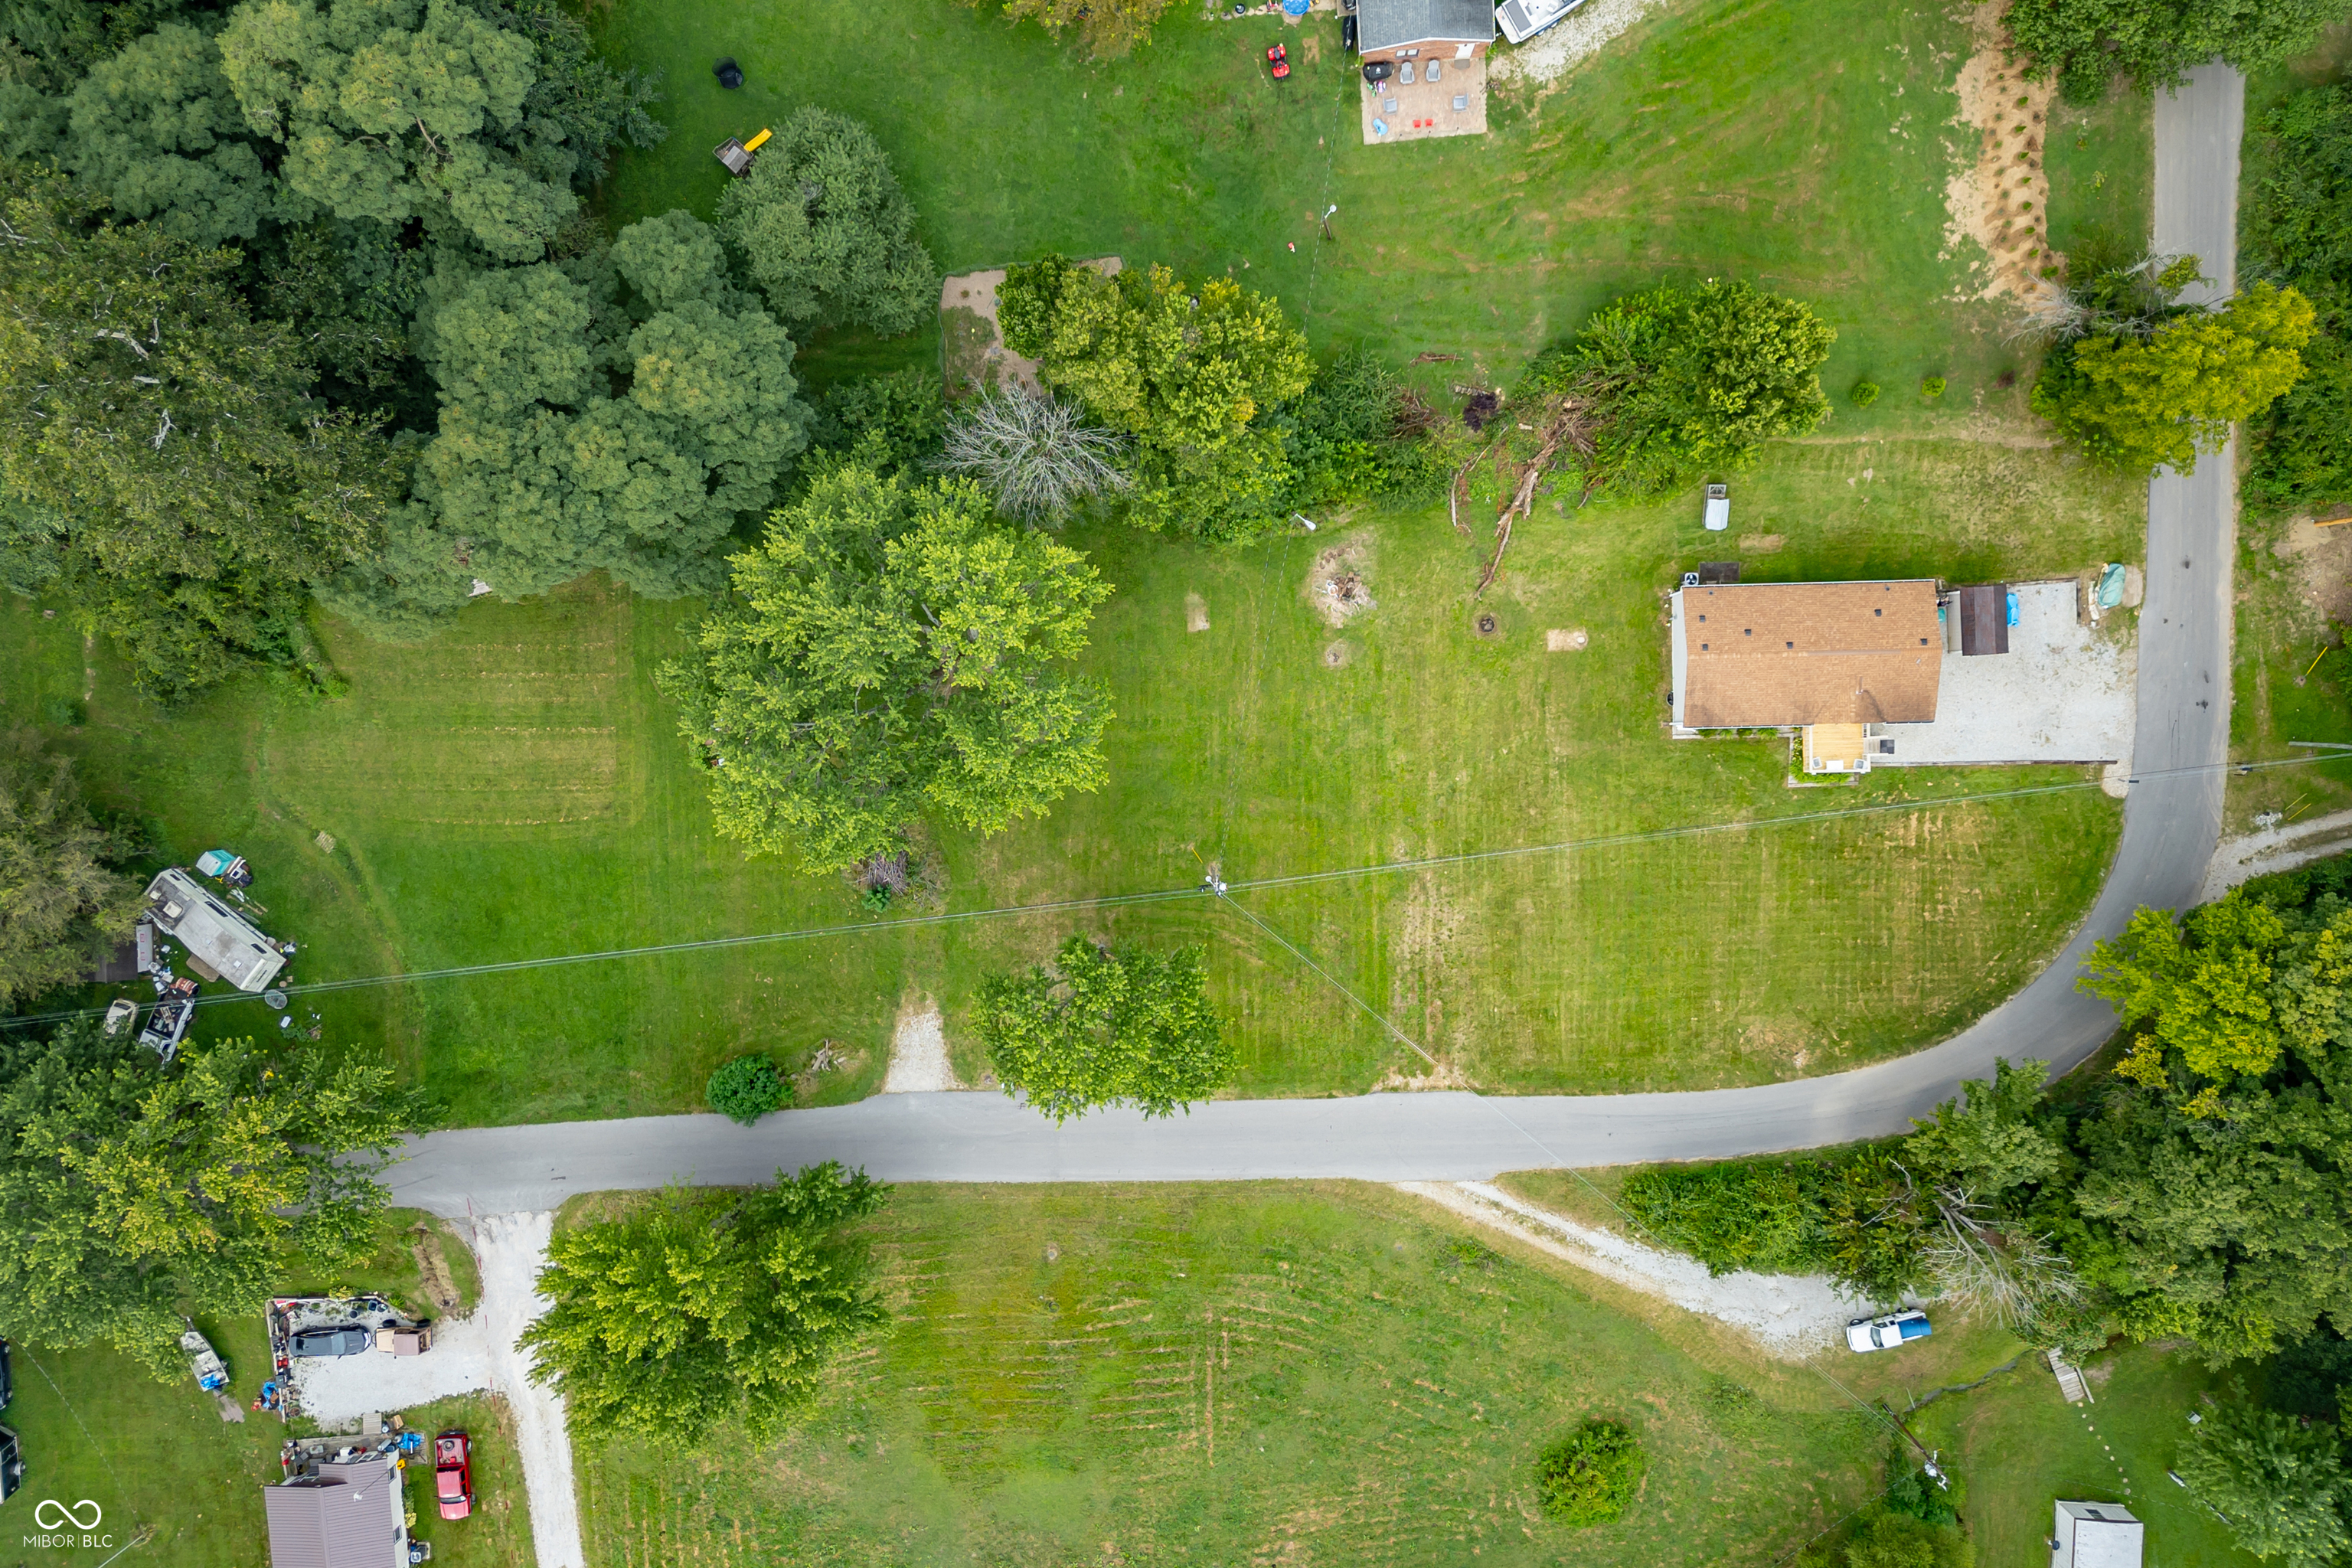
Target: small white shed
[2096,1535]
[1719,508]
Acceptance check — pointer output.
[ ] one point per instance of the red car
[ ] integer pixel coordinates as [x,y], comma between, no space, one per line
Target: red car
[453,1474]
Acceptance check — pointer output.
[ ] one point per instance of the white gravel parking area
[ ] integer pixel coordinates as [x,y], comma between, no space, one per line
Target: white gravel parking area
[2063,693]
[474,1354]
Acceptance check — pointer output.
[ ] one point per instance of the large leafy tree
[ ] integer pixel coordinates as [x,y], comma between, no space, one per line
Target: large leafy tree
[155,130]
[2136,403]
[396,109]
[701,1306]
[1106,1025]
[132,1193]
[1662,388]
[2083,44]
[61,901]
[2213,1172]
[825,231]
[2299,226]
[2278,1482]
[1191,373]
[588,427]
[892,648]
[162,460]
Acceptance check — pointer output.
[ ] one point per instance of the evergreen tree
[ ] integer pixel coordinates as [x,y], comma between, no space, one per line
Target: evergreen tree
[701,1306]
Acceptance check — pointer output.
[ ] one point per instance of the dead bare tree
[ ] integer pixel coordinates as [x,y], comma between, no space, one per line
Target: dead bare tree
[1991,1266]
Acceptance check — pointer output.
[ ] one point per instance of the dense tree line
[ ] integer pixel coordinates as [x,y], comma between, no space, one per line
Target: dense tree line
[2084,45]
[2298,232]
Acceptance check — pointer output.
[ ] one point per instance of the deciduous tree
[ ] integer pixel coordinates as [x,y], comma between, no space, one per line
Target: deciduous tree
[701,1306]
[2297,212]
[1664,386]
[2135,404]
[163,462]
[2085,44]
[1106,1025]
[2278,1482]
[396,109]
[62,904]
[892,648]
[132,1193]
[584,427]
[825,231]
[1188,372]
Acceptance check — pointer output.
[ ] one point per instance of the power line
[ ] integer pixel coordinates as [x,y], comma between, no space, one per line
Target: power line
[1116,900]
[1224,897]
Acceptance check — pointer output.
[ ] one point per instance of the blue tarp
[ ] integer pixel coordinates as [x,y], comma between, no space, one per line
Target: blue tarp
[2013,609]
[2111,585]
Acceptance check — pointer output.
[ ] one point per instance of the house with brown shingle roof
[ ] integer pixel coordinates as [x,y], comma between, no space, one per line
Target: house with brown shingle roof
[1833,659]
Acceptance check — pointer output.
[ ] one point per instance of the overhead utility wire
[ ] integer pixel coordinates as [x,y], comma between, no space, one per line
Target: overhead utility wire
[1224,896]
[1115,900]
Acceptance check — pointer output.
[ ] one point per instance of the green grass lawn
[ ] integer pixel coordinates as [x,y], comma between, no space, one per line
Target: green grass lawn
[1224,1375]
[513,789]
[1802,145]
[96,1425]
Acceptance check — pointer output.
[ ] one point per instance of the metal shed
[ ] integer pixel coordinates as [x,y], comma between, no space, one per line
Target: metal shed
[1984,619]
[2096,1535]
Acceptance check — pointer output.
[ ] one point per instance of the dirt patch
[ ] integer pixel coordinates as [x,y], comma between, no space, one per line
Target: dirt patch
[1337,585]
[2000,199]
[1196,613]
[1761,544]
[433,1268]
[919,1051]
[1340,655]
[1447,1075]
[976,356]
[2323,562]
[1566,639]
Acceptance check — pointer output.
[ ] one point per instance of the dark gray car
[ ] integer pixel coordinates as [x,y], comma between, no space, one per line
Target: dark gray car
[335,1338]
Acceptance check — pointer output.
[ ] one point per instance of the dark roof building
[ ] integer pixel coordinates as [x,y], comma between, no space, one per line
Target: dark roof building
[1384,25]
[339,1515]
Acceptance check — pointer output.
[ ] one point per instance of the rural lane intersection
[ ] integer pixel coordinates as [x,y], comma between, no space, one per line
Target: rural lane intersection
[2172,819]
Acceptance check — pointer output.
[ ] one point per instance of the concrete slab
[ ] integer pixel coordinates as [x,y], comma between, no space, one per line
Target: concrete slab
[2063,693]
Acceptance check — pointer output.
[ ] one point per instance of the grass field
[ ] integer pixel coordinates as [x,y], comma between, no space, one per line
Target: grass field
[96,1425]
[2294,598]
[513,790]
[1223,1376]
[1800,145]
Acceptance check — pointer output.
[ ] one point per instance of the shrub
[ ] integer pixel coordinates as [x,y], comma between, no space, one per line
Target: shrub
[1931,387]
[1588,1476]
[747,1088]
[1864,393]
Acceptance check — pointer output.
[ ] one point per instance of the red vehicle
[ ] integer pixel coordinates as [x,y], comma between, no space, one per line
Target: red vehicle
[1278,59]
[453,1474]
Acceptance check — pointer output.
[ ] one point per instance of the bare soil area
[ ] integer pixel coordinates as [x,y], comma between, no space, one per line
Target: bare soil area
[977,358]
[1337,585]
[2321,556]
[2000,199]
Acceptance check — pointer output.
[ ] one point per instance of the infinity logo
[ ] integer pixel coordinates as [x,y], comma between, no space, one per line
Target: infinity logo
[51,1514]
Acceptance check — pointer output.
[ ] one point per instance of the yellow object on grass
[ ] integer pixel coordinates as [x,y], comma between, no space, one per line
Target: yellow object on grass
[758,142]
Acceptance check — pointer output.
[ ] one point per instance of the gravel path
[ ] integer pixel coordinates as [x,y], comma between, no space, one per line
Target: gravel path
[1790,1315]
[512,1249]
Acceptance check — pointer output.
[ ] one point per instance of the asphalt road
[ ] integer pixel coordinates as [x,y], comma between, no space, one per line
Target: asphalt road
[2172,819]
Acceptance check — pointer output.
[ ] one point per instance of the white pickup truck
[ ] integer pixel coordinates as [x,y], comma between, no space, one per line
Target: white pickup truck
[1886,1332]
